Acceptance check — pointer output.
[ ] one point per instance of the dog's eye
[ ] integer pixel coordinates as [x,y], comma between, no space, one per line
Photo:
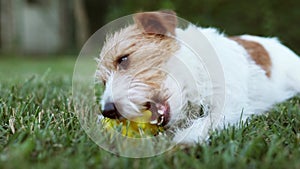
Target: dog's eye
[123,61]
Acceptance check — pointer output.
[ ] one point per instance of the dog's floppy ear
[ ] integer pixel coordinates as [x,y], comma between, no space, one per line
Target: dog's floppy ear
[160,22]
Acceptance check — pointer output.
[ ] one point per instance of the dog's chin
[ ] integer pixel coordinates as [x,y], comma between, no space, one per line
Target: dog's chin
[160,113]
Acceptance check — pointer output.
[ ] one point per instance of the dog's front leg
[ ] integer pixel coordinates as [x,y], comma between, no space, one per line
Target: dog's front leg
[198,132]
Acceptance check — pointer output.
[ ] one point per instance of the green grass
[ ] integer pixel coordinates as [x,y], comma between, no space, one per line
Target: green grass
[39,130]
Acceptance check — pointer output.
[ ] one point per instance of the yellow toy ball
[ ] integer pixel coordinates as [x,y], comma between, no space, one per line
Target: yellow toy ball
[137,128]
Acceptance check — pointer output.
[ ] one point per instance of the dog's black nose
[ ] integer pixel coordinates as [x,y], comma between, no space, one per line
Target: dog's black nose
[110,111]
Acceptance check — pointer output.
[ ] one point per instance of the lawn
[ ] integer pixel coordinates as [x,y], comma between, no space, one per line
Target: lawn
[38,129]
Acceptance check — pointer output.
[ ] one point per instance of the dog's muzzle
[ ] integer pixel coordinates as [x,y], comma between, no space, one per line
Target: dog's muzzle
[160,112]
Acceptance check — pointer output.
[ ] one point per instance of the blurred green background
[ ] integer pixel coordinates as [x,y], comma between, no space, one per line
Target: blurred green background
[50,27]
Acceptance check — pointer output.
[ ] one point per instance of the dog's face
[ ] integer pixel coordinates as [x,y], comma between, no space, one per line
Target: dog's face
[130,67]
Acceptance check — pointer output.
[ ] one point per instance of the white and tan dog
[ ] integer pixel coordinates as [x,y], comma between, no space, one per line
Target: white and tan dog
[138,67]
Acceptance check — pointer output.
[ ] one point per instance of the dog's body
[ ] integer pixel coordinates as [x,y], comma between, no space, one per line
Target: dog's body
[141,68]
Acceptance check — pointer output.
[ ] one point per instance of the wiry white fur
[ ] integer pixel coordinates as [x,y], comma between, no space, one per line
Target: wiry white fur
[248,90]
[185,84]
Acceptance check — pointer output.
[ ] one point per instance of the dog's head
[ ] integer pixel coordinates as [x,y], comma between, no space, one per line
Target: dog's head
[131,68]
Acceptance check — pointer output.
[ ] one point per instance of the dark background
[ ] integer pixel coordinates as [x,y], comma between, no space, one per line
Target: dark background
[279,18]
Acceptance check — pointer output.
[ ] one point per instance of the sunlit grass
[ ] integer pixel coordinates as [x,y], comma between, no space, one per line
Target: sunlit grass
[38,129]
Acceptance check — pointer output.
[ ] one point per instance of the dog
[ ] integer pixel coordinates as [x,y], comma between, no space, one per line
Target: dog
[145,67]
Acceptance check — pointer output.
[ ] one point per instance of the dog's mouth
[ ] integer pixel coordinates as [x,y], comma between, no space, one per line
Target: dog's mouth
[160,113]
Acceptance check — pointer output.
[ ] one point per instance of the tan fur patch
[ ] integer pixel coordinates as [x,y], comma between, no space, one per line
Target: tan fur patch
[160,22]
[257,52]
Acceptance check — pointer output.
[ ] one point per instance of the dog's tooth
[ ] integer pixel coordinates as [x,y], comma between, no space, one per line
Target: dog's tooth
[161,120]
[153,121]
[160,112]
